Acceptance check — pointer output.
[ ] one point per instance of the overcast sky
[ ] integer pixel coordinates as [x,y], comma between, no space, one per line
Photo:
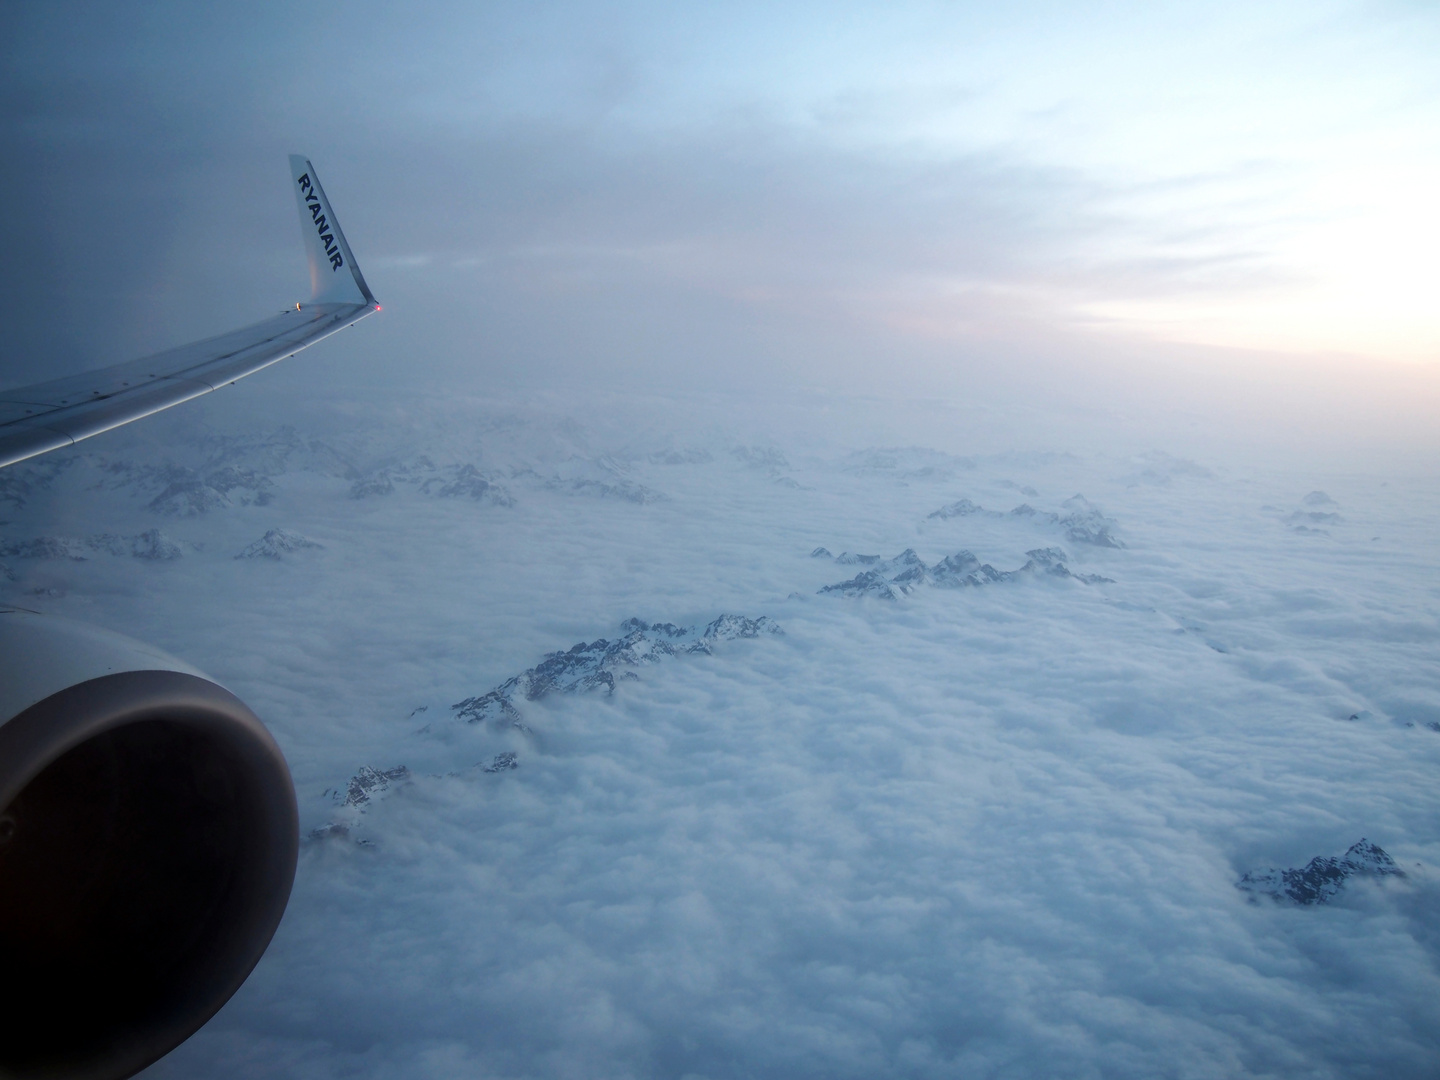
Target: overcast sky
[627,189]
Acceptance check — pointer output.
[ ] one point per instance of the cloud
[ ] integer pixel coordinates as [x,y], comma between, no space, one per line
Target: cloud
[977,831]
[642,194]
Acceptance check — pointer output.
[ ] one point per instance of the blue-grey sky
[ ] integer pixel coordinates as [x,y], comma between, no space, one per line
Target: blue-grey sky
[654,187]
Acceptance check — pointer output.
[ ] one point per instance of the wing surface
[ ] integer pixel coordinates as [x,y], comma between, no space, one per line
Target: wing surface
[49,415]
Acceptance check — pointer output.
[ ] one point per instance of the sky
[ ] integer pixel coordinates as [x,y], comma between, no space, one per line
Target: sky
[651,191]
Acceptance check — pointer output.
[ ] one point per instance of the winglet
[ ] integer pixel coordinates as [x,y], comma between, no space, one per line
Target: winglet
[335,276]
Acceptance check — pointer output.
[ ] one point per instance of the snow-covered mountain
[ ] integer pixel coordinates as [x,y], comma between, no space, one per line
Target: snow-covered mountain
[277,543]
[1083,522]
[152,544]
[1323,876]
[890,579]
[597,664]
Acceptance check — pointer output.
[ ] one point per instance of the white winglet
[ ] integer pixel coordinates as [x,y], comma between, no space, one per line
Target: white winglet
[46,416]
[335,276]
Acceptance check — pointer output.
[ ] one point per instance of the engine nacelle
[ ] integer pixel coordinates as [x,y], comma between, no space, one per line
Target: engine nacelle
[148,839]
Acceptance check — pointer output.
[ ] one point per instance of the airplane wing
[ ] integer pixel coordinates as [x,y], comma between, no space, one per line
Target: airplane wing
[49,415]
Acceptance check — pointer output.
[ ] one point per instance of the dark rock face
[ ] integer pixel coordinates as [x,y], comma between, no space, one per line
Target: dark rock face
[821,553]
[1322,877]
[902,575]
[596,665]
[502,763]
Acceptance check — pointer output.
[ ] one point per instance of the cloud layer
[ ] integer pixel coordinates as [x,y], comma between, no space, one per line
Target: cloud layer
[965,832]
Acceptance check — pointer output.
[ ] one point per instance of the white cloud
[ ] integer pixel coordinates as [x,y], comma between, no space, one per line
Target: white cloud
[969,832]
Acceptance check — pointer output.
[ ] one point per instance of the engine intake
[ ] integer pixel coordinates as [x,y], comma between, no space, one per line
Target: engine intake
[148,842]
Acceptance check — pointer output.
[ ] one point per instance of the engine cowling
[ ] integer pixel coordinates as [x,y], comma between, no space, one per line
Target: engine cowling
[148,841]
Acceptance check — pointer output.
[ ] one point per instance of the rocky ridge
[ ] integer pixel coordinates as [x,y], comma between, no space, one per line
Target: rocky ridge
[272,453]
[1161,469]
[907,463]
[152,545]
[1322,877]
[463,481]
[597,664]
[598,479]
[19,482]
[1084,522]
[680,456]
[354,798]
[626,490]
[1314,516]
[584,666]
[367,784]
[768,460]
[188,493]
[890,579]
[277,543]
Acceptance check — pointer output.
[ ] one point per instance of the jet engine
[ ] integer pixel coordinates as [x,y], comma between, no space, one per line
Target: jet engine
[148,838]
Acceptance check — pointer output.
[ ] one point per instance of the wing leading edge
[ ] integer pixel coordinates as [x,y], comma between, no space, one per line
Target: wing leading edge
[46,416]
